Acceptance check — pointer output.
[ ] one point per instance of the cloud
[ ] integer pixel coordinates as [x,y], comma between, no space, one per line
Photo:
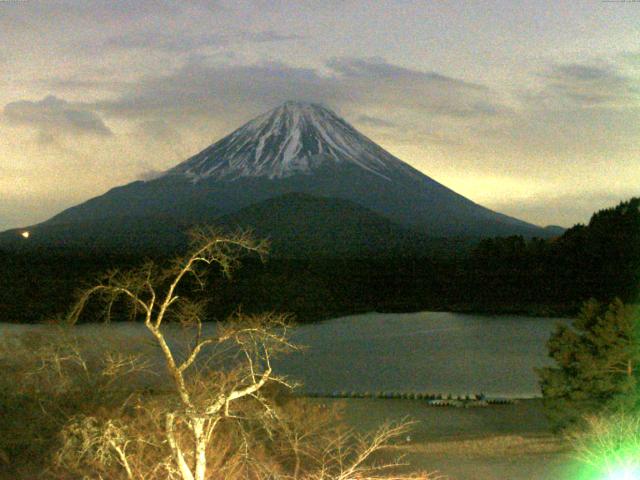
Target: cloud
[200,89]
[187,42]
[352,84]
[72,12]
[582,113]
[428,92]
[582,85]
[53,115]
[157,137]
[160,130]
[375,121]
[379,69]
[584,73]
[267,36]
[80,82]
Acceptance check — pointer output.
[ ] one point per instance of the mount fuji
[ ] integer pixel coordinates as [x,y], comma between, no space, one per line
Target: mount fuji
[296,158]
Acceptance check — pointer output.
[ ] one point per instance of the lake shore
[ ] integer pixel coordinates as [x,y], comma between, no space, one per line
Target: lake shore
[500,442]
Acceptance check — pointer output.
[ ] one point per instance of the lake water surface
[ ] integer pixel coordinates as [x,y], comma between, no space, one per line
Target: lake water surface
[431,352]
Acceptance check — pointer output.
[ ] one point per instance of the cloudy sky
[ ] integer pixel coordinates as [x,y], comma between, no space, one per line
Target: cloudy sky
[531,108]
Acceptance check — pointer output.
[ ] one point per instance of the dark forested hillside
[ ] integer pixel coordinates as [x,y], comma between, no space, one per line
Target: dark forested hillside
[501,275]
[599,260]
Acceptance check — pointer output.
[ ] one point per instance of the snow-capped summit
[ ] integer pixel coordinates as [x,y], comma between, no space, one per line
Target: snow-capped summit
[294,138]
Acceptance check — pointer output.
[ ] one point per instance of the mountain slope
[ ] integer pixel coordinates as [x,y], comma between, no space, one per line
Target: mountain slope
[301,225]
[295,148]
[297,225]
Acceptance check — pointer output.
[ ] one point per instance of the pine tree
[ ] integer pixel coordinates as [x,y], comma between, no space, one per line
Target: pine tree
[598,364]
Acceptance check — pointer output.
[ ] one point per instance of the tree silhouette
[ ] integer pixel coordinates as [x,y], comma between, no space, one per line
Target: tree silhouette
[597,364]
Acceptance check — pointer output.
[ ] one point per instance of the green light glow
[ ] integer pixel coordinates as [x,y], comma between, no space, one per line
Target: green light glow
[622,464]
[624,473]
[608,448]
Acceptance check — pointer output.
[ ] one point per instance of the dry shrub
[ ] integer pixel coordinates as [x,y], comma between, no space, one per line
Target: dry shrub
[49,377]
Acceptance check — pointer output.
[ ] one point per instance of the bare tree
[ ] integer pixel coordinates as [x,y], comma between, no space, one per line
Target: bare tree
[351,456]
[202,404]
[218,388]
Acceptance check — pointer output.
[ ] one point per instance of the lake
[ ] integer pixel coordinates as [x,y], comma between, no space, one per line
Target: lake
[430,352]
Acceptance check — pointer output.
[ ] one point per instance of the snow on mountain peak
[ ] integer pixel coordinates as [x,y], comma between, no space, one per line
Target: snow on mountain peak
[293,138]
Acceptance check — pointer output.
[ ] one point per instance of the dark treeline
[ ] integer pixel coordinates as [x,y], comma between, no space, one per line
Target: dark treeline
[502,275]
[600,260]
